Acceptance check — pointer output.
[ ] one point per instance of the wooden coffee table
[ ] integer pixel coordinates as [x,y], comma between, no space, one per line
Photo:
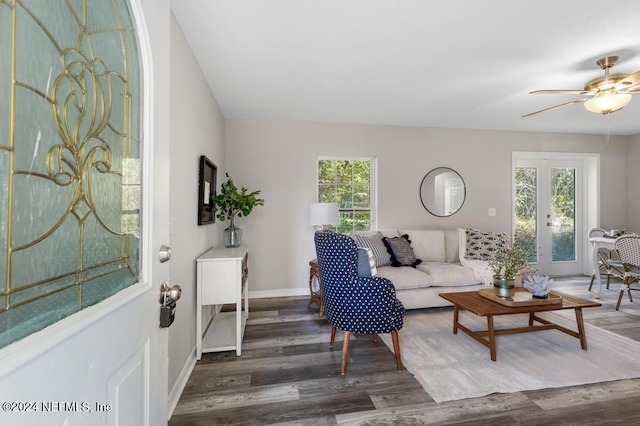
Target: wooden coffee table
[479,305]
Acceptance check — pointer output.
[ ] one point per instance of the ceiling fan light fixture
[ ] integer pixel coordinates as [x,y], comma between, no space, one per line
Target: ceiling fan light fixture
[607,102]
[606,94]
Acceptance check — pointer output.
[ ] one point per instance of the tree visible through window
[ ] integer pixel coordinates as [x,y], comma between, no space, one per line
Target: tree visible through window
[562,217]
[526,209]
[350,183]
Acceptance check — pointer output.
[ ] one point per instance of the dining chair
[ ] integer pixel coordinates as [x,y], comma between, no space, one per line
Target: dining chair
[628,247]
[608,265]
[355,304]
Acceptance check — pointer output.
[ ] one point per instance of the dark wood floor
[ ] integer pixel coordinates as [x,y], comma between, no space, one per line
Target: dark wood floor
[287,375]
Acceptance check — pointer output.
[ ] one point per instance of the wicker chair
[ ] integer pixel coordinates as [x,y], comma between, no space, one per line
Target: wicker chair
[351,303]
[628,247]
[607,264]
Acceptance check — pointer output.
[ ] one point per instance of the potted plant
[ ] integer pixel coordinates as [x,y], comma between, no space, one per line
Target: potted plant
[232,202]
[508,263]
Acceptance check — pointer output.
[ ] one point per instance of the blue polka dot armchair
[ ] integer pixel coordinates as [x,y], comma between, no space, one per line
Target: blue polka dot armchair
[355,304]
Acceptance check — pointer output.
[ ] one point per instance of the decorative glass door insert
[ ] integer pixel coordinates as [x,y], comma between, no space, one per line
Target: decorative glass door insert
[70,143]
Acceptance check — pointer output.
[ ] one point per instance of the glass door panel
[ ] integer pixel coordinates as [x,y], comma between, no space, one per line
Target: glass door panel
[70,149]
[526,210]
[563,206]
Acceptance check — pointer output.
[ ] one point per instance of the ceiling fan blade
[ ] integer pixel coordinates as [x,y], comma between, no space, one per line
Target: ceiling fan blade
[577,101]
[631,83]
[559,92]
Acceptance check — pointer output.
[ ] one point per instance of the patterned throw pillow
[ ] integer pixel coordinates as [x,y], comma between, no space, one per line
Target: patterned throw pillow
[483,245]
[366,263]
[401,251]
[374,242]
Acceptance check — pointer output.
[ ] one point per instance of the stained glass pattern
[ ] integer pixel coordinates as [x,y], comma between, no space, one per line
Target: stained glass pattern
[70,142]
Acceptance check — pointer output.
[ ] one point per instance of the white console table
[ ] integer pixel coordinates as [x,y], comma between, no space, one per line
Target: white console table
[222,277]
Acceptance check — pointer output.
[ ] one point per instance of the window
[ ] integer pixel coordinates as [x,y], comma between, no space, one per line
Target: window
[350,182]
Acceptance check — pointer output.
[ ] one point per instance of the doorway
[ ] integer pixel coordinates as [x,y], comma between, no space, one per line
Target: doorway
[551,214]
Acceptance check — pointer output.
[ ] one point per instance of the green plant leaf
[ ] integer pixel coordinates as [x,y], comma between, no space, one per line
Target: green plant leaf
[231,202]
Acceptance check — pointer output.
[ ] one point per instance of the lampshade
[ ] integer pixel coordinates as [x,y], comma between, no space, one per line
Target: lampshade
[607,102]
[324,214]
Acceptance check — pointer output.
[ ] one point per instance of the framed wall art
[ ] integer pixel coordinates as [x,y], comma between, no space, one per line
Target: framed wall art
[206,188]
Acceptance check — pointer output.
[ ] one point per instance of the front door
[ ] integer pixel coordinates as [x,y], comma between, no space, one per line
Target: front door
[548,213]
[83,212]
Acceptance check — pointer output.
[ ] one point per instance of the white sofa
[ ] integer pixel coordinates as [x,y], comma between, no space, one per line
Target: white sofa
[444,267]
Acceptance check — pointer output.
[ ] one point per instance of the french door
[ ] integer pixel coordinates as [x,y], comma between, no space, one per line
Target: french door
[548,212]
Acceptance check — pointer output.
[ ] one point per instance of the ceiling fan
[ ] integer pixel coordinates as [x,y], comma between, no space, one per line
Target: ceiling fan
[605,94]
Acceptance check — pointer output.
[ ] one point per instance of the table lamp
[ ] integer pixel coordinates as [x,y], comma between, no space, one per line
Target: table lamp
[323,214]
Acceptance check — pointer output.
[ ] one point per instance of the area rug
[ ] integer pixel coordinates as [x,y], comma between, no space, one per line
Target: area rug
[452,367]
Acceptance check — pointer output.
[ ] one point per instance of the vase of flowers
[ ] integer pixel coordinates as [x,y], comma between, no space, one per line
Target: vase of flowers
[232,202]
[508,263]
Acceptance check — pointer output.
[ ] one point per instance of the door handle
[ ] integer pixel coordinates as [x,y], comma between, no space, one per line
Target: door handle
[168,298]
[168,294]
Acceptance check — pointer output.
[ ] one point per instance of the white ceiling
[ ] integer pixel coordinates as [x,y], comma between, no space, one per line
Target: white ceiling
[445,63]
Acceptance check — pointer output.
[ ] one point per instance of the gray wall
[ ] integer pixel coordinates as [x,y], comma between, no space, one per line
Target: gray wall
[197,128]
[280,159]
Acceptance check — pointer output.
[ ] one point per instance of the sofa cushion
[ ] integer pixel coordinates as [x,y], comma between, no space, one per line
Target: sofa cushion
[444,274]
[366,263]
[374,242]
[428,245]
[483,245]
[451,245]
[405,278]
[401,251]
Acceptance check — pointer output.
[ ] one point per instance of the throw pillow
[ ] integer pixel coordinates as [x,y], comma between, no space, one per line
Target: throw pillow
[366,263]
[401,251]
[483,245]
[374,242]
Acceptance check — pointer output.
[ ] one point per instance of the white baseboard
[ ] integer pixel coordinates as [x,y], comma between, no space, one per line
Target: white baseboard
[179,385]
[289,292]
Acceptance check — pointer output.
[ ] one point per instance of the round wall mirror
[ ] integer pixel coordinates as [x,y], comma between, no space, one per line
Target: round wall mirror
[442,192]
